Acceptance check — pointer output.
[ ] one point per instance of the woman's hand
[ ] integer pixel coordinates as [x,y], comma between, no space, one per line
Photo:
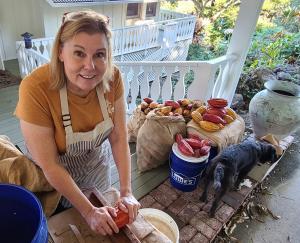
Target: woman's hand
[100,220]
[129,205]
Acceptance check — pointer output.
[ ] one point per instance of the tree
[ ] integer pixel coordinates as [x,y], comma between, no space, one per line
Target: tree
[208,11]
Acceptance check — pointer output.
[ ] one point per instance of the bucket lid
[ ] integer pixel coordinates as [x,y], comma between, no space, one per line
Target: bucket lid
[188,158]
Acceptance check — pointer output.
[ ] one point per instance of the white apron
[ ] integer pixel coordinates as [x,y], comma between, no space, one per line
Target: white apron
[88,155]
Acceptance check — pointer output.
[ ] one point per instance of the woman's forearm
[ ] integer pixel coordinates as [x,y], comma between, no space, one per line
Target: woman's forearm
[61,180]
[121,154]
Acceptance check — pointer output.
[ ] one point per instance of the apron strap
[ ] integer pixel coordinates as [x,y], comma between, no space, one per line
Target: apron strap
[102,102]
[66,117]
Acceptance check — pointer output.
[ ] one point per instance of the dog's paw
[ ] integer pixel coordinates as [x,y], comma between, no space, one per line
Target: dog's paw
[212,214]
[237,187]
[203,198]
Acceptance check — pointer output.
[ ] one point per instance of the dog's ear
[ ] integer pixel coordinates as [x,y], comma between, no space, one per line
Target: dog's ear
[268,153]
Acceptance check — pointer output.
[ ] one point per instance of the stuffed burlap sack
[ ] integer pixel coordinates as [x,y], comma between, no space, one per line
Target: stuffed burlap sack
[155,139]
[136,120]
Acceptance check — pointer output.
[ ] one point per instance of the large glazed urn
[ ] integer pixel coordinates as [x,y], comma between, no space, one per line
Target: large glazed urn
[276,109]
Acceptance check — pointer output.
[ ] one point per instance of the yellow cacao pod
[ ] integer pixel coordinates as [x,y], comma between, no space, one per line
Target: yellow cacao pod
[228,119]
[209,126]
[166,110]
[201,109]
[185,102]
[196,116]
[231,112]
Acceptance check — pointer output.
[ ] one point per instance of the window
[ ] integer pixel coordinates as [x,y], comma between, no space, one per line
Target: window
[133,10]
[151,9]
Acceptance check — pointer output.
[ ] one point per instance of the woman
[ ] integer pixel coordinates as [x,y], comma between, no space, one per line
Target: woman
[68,109]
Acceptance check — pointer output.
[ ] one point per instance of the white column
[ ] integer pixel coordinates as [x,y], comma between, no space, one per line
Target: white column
[1,61]
[239,45]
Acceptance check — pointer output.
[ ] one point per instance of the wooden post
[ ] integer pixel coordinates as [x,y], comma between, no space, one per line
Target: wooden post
[239,46]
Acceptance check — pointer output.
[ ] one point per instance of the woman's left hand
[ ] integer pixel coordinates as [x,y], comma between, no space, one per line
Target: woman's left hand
[129,205]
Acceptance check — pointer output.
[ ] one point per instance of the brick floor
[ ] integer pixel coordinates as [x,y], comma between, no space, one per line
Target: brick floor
[190,214]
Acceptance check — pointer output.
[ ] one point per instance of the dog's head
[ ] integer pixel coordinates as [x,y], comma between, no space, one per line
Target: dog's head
[268,153]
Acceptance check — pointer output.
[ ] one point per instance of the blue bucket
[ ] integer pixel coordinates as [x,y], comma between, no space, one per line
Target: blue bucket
[185,171]
[22,218]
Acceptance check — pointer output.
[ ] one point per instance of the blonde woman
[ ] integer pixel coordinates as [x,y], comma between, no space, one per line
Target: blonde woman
[72,116]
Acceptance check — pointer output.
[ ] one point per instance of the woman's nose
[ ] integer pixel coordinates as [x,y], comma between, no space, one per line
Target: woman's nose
[89,64]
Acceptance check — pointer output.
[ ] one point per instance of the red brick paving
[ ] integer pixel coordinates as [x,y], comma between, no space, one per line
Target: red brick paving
[190,214]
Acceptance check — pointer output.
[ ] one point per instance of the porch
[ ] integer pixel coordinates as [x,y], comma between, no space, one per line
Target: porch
[9,125]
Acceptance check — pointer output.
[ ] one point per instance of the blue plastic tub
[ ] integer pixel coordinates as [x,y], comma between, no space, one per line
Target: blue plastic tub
[22,218]
[185,172]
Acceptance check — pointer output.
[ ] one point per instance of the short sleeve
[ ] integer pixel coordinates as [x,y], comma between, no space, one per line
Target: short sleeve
[32,106]
[118,83]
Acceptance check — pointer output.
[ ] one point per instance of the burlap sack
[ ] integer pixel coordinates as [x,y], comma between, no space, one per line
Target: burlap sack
[230,134]
[136,120]
[155,139]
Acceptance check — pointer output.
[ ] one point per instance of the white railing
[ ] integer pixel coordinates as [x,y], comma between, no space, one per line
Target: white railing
[162,34]
[168,80]
[30,59]
[135,38]
[167,14]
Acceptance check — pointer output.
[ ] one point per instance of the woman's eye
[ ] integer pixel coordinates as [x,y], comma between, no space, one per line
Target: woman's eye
[100,54]
[79,53]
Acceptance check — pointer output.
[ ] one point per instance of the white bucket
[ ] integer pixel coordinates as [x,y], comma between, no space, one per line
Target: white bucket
[163,222]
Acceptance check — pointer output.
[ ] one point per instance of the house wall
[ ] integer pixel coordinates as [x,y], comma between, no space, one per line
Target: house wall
[53,16]
[17,17]
[42,20]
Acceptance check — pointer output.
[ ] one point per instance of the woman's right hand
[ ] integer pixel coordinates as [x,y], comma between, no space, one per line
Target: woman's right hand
[100,220]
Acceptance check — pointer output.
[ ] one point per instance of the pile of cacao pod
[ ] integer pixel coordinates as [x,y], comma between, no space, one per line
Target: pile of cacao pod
[214,116]
[183,107]
[193,145]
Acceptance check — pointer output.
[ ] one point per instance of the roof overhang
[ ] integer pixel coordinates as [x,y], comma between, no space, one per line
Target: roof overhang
[81,3]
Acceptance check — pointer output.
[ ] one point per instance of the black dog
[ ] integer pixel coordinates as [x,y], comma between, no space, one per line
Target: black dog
[231,165]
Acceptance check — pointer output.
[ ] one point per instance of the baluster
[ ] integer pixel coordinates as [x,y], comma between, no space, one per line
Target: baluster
[155,86]
[134,88]
[167,84]
[49,46]
[34,45]
[179,89]
[124,71]
[144,82]
[218,81]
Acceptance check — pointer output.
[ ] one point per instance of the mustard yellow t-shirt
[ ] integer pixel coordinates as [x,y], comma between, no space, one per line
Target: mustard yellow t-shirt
[40,105]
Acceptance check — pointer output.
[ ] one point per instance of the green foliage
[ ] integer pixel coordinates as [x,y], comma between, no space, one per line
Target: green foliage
[271,47]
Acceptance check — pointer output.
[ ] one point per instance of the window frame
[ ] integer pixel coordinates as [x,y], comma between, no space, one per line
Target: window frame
[138,11]
[153,14]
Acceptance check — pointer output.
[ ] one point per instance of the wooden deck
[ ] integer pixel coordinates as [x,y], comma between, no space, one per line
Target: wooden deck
[142,183]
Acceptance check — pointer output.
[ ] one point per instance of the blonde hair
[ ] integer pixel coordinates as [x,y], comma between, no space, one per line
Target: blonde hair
[73,23]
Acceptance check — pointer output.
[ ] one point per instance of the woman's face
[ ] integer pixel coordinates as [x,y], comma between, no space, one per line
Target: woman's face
[85,61]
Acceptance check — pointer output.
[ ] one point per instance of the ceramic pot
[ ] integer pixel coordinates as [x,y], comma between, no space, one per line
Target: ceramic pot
[276,109]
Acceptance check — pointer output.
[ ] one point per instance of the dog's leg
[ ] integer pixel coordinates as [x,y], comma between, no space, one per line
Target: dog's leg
[206,180]
[243,173]
[227,184]
[218,197]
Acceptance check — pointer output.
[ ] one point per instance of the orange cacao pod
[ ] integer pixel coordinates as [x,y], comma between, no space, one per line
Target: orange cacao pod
[217,102]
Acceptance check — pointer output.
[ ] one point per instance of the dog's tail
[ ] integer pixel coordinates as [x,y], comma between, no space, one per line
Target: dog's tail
[218,176]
